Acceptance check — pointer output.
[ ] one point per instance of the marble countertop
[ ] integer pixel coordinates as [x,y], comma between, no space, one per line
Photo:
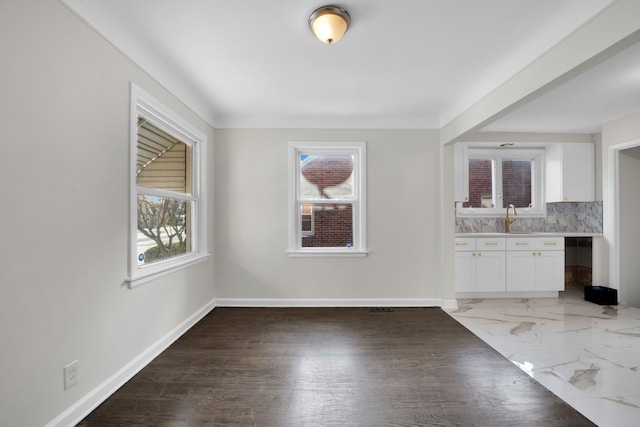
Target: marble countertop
[532,234]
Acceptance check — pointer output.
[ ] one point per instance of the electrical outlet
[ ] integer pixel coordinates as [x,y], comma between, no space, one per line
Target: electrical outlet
[70,374]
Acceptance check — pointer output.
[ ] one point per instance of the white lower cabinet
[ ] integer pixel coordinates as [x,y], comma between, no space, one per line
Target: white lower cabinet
[511,264]
[480,265]
[521,271]
[535,264]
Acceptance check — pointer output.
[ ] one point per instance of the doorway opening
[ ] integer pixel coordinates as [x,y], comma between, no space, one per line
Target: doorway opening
[625,265]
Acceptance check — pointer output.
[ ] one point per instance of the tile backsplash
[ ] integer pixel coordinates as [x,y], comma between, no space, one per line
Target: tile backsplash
[570,217]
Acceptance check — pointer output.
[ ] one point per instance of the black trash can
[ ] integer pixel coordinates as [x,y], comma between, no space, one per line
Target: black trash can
[601,295]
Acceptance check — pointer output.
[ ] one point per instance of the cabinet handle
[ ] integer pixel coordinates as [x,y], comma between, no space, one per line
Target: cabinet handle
[473,254]
[462,244]
[550,243]
[479,253]
[522,244]
[534,254]
[491,244]
[539,254]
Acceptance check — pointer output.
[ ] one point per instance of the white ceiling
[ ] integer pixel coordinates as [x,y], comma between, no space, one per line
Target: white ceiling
[607,91]
[402,64]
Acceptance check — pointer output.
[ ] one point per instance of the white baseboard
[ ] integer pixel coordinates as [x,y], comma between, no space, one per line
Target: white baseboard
[539,294]
[80,409]
[331,302]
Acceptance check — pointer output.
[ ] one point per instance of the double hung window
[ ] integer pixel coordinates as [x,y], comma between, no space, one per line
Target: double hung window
[327,198]
[167,208]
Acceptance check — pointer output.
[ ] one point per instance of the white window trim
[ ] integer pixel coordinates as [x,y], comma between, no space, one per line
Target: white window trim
[540,207]
[359,206]
[144,105]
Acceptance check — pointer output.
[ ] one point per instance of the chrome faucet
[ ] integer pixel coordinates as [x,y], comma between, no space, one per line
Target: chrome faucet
[507,221]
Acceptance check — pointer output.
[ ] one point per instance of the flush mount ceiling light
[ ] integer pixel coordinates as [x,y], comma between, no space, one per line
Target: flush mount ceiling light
[329,23]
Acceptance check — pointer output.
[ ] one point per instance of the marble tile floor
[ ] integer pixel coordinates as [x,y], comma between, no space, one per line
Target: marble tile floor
[587,354]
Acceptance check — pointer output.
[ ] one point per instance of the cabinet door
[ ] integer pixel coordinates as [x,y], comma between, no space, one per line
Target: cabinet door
[578,172]
[490,271]
[465,271]
[570,172]
[521,271]
[550,271]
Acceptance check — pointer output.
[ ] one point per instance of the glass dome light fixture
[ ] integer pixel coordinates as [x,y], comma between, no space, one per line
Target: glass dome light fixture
[329,23]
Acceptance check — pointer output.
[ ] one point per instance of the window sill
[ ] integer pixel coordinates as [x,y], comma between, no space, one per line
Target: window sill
[332,253]
[156,271]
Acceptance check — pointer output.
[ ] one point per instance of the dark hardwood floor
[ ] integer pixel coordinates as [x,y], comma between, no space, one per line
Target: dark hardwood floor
[332,367]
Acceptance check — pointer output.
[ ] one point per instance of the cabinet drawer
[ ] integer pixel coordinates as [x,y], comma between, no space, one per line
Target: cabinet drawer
[550,244]
[465,244]
[535,243]
[490,244]
[521,243]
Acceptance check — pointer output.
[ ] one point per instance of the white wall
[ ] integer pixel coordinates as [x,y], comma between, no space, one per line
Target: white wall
[629,165]
[64,116]
[403,218]
[447,226]
[615,133]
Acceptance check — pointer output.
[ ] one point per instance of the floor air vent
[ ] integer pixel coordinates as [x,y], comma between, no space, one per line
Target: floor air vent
[380,309]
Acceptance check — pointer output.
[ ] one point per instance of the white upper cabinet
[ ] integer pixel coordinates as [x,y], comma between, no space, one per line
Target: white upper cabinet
[570,172]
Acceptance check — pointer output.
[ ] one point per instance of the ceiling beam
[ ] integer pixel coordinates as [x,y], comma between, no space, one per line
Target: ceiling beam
[605,34]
